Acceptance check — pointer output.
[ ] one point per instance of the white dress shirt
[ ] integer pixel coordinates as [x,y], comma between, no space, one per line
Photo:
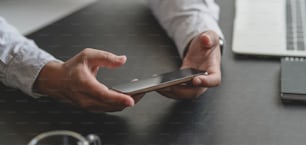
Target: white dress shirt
[185,19]
[21,59]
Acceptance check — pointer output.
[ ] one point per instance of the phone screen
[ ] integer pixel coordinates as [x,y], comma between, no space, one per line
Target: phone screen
[158,82]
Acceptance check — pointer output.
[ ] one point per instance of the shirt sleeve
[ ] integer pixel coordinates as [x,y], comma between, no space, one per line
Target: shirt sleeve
[20,59]
[184,19]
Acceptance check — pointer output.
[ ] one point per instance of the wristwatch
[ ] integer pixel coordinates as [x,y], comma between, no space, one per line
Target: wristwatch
[221,44]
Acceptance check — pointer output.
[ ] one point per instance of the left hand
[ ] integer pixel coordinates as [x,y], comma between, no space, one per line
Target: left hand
[75,81]
[204,54]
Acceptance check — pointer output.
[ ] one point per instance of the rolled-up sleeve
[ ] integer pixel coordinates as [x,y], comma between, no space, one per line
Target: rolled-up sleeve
[185,19]
[20,59]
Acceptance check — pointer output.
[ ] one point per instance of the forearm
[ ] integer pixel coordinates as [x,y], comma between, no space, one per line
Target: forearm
[183,20]
[20,59]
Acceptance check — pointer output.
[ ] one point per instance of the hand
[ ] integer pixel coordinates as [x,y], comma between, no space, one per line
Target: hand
[75,81]
[203,54]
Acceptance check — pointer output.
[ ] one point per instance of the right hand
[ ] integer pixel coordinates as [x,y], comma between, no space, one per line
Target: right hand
[203,53]
[75,81]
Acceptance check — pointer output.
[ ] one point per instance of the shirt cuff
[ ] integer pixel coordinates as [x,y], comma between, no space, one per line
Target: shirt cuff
[187,31]
[23,69]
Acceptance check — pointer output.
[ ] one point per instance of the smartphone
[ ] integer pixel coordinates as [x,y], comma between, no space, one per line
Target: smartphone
[158,82]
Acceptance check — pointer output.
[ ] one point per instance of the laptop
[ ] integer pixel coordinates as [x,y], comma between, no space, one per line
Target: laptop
[270,28]
[30,15]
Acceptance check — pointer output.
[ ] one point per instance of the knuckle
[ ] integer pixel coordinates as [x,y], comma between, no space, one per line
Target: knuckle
[87,50]
[84,53]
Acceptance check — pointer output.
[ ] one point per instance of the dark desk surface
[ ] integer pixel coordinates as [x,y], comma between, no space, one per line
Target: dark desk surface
[245,109]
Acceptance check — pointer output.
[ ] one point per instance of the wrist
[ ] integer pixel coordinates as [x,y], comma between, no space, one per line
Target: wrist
[48,80]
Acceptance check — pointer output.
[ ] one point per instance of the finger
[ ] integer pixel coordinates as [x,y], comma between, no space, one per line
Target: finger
[117,98]
[102,93]
[211,80]
[208,39]
[103,58]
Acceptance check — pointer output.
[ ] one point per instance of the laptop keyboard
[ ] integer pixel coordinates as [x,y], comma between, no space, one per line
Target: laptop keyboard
[296,20]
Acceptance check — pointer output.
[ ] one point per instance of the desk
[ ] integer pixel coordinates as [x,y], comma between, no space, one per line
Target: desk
[245,109]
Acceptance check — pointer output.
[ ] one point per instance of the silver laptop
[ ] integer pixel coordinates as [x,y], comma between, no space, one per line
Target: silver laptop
[270,28]
[30,15]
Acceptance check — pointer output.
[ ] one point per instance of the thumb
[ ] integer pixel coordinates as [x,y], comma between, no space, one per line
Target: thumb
[208,39]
